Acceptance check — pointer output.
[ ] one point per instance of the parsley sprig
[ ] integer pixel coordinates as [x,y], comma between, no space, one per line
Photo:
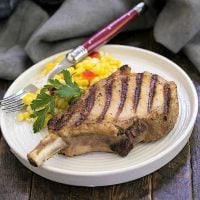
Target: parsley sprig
[44,103]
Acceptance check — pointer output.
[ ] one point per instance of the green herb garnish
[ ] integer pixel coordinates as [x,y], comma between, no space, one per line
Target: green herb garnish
[41,106]
[45,103]
[69,91]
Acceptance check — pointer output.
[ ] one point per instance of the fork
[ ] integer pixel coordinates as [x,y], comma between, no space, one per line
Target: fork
[14,102]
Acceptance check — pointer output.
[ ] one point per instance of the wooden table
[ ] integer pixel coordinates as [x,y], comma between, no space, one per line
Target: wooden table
[178,180]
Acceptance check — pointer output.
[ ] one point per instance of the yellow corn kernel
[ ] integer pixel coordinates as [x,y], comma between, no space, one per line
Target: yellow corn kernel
[79,65]
[37,92]
[28,98]
[58,77]
[79,71]
[30,120]
[29,110]
[49,66]
[64,105]
[47,118]
[97,69]
[84,83]
[61,75]
[57,110]
[94,80]
[77,79]
[102,77]
[20,117]
[26,115]
[107,70]
[74,78]
[114,62]
[62,81]
[88,65]
[71,70]
[56,100]
[102,71]
[115,66]
[106,58]
[118,62]
[79,82]
[61,103]
[83,88]
[104,68]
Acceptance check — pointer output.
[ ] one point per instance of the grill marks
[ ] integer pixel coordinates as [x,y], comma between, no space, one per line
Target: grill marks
[108,96]
[152,87]
[124,88]
[137,90]
[58,122]
[88,105]
[90,100]
[167,96]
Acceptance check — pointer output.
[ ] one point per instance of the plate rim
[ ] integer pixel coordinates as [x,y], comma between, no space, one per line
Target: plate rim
[124,169]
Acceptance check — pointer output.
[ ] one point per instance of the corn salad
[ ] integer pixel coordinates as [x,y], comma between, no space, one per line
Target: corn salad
[97,66]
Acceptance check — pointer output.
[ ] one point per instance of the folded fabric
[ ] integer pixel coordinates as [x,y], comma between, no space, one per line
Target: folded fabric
[176,27]
[178,23]
[74,21]
[14,35]
[7,7]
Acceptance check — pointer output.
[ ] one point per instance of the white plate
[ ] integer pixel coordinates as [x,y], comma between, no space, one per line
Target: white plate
[98,169]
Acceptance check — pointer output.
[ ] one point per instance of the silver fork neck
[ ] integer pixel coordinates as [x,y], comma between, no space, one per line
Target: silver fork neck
[77,54]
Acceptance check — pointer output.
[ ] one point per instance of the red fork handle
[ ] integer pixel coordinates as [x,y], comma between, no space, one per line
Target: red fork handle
[103,36]
[112,29]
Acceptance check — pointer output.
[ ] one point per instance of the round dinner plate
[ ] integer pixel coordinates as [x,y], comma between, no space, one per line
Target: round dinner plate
[98,169]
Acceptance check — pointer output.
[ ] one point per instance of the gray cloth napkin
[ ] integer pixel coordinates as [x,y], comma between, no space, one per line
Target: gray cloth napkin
[29,32]
[14,35]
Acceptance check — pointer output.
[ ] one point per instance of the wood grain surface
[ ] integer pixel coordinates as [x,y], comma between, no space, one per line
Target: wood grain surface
[178,180]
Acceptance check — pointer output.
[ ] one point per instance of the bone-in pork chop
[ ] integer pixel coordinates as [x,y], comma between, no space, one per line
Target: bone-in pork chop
[112,116]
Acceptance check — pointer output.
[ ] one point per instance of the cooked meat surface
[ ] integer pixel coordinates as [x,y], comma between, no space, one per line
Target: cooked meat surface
[112,116]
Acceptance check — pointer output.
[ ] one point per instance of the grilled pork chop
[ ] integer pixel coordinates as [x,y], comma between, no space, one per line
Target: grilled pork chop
[112,116]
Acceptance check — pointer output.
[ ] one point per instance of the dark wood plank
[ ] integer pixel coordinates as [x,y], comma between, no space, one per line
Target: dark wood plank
[83,193]
[104,192]
[3,87]
[173,181]
[15,179]
[195,138]
[139,189]
[43,189]
[195,153]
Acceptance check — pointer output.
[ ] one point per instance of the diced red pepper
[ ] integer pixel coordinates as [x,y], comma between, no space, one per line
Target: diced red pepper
[89,75]
[95,54]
